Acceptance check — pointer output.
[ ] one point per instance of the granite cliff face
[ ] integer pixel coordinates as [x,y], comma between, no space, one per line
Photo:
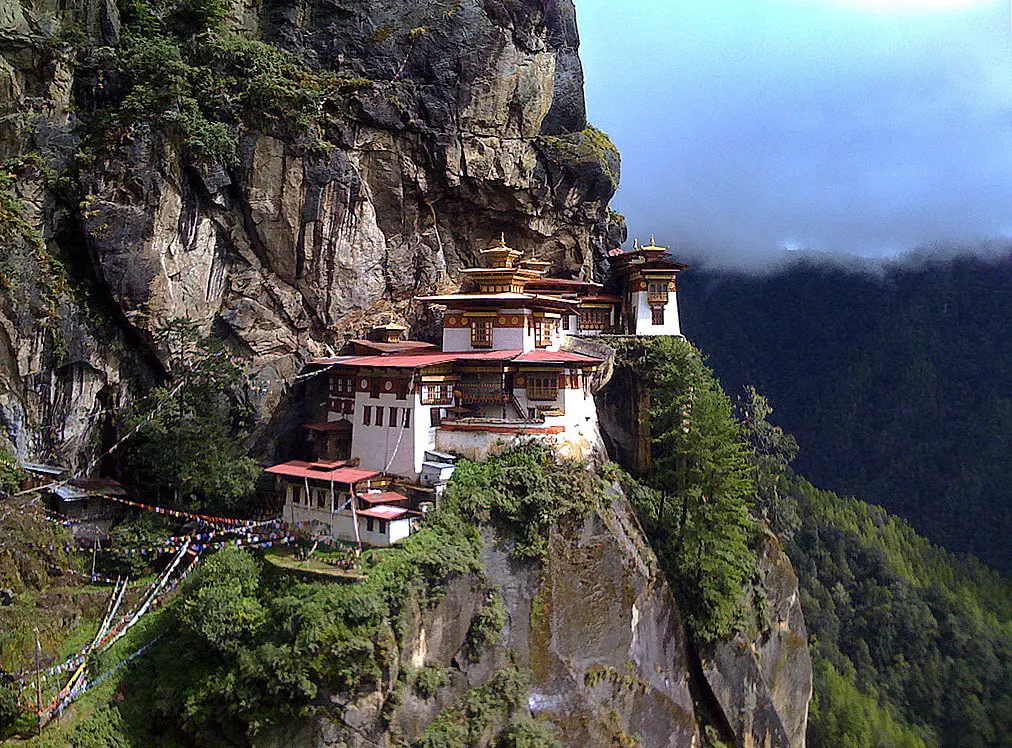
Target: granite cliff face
[595,624]
[467,122]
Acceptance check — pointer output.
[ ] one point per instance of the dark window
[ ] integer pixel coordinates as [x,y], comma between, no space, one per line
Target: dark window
[321,499]
[657,315]
[379,415]
[595,318]
[374,388]
[392,420]
[383,526]
[437,394]
[657,292]
[565,321]
[368,524]
[434,416]
[481,333]
[545,387]
[406,420]
[342,385]
[367,415]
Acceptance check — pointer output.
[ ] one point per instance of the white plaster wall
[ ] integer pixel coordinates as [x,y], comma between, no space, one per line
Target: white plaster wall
[511,339]
[574,326]
[644,326]
[384,448]
[424,434]
[476,445]
[399,529]
[396,530]
[457,339]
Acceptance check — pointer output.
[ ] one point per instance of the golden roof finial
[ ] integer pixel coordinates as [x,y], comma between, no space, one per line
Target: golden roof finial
[636,243]
[502,239]
[652,243]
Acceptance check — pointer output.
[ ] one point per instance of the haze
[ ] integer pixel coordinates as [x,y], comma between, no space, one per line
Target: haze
[864,127]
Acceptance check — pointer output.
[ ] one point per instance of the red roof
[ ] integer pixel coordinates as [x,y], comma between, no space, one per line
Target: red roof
[418,360]
[403,360]
[399,347]
[385,512]
[327,471]
[382,497]
[554,357]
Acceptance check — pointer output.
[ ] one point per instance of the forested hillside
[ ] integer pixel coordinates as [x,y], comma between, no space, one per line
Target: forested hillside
[897,382]
[912,646]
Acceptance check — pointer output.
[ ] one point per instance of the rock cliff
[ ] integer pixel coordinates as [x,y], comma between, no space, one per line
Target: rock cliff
[466,121]
[595,624]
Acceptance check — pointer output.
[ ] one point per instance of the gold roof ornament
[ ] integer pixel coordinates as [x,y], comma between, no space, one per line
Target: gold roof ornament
[653,246]
[502,256]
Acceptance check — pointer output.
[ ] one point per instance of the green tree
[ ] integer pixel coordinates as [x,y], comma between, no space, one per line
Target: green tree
[773,450]
[222,607]
[703,478]
[187,433]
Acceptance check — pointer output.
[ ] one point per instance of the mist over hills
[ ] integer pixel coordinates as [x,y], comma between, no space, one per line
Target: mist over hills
[895,377]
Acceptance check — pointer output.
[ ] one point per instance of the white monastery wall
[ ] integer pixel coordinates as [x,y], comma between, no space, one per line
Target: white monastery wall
[385,448]
[644,321]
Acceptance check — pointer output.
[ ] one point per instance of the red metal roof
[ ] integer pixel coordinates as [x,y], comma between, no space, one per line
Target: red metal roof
[400,360]
[418,360]
[382,497]
[399,347]
[554,357]
[561,283]
[385,512]
[320,471]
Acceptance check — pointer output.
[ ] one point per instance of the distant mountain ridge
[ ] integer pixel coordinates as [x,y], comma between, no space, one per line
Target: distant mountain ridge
[896,383]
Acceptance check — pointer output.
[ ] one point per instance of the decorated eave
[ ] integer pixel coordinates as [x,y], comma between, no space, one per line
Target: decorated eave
[421,360]
[563,286]
[363,347]
[650,257]
[501,301]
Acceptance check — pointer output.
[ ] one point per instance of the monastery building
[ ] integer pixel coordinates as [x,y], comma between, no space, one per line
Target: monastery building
[397,413]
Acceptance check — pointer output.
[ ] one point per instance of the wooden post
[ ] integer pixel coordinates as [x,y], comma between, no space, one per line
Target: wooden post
[38,678]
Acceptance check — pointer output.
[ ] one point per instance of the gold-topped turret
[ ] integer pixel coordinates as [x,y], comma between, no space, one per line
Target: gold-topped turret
[502,256]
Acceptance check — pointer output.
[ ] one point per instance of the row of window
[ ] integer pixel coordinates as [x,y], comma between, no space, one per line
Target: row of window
[542,387]
[481,332]
[437,394]
[321,497]
[595,319]
[374,416]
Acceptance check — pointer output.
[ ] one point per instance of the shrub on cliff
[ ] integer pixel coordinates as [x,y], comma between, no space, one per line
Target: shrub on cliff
[526,491]
[245,652]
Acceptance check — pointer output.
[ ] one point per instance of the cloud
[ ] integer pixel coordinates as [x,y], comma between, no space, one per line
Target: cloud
[747,126]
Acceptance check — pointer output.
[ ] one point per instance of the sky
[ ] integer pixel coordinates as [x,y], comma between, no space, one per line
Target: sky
[751,128]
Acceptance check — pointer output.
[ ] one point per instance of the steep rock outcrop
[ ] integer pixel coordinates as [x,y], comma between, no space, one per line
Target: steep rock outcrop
[763,680]
[602,634]
[595,624]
